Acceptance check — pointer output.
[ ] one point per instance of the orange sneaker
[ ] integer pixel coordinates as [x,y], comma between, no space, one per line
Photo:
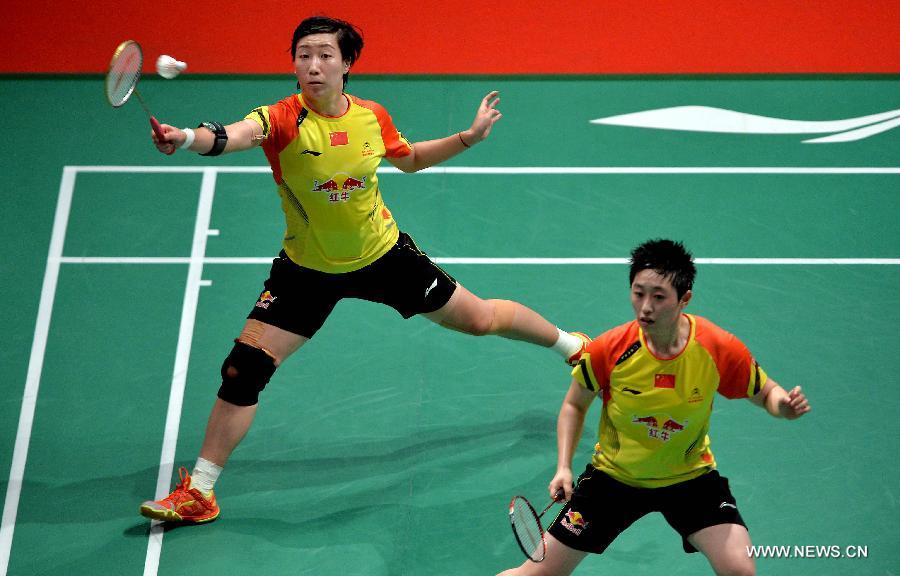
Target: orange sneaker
[184,504]
[585,340]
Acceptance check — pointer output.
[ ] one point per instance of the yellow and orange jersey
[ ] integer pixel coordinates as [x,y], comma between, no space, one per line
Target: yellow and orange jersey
[336,219]
[655,418]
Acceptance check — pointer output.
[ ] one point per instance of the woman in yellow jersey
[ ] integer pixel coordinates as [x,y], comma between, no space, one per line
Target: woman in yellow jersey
[341,240]
[657,376]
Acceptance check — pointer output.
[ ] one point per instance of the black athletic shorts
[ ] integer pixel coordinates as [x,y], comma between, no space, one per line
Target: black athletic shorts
[601,508]
[299,299]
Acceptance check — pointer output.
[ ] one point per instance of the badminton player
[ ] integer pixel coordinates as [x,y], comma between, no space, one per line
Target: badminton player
[341,240]
[657,376]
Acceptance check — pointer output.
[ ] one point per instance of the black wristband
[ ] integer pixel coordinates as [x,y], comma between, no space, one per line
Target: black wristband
[221,137]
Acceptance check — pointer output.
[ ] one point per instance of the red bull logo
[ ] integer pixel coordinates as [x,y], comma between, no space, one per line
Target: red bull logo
[672,425]
[658,427]
[574,522]
[351,183]
[265,299]
[646,420]
[326,186]
[339,186]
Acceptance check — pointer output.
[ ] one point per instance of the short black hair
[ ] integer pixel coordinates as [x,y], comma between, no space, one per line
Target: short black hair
[349,37]
[668,258]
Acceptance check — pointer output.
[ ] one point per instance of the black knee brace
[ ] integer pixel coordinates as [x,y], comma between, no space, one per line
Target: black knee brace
[245,373]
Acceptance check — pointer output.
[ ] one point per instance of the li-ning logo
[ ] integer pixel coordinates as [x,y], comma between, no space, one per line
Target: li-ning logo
[727,505]
[311,152]
[185,504]
[721,120]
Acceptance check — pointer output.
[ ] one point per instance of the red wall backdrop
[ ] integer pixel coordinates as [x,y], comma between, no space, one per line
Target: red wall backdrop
[491,37]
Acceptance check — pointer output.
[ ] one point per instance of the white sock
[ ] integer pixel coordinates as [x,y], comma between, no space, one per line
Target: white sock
[567,344]
[204,476]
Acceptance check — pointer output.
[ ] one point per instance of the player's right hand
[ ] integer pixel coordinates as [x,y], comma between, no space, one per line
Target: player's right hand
[174,137]
[562,482]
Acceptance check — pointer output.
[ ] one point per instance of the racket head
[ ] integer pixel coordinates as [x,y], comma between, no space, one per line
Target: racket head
[124,72]
[526,526]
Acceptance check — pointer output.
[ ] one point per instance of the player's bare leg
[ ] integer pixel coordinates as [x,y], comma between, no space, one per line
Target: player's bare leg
[725,546]
[193,499]
[466,312]
[229,423]
[559,561]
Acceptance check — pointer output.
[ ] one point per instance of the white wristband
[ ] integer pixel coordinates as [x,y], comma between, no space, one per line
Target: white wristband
[189,138]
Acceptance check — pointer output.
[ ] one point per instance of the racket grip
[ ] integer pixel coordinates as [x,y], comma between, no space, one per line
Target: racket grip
[157,129]
[154,123]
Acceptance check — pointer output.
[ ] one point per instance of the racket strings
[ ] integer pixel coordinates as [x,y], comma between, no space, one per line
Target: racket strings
[124,73]
[121,87]
[528,529]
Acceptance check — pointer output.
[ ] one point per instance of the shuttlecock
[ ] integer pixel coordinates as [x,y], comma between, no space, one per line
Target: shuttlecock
[168,67]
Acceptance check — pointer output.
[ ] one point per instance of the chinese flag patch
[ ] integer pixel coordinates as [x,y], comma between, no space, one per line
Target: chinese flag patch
[664,381]
[338,138]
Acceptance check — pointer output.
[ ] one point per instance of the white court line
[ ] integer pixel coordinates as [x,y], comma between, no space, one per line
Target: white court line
[506,261]
[35,367]
[525,169]
[182,356]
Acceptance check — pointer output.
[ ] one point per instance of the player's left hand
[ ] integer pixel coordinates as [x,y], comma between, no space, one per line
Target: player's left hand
[794,405]
[485,118]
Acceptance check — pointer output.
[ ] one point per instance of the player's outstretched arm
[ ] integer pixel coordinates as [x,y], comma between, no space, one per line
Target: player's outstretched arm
[432,152]
[780,403]
[241,135]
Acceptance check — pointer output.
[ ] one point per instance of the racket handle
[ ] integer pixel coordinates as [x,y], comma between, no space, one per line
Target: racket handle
[157,129]
[559,495]
[154,123]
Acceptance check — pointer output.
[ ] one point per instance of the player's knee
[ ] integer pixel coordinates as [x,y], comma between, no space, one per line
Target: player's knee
[481,325]
[492,317]
[245,374]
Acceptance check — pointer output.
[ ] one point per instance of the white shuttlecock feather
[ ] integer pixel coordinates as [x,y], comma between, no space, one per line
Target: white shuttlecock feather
[169,67]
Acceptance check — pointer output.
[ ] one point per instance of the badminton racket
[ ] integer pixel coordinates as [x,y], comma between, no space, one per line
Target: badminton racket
[122,78]
[527,528]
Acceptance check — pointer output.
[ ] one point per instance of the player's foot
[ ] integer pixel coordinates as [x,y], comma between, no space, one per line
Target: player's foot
[585,340]
[184,504]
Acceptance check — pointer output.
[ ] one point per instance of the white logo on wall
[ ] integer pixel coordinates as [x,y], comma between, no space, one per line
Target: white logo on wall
[709,119]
